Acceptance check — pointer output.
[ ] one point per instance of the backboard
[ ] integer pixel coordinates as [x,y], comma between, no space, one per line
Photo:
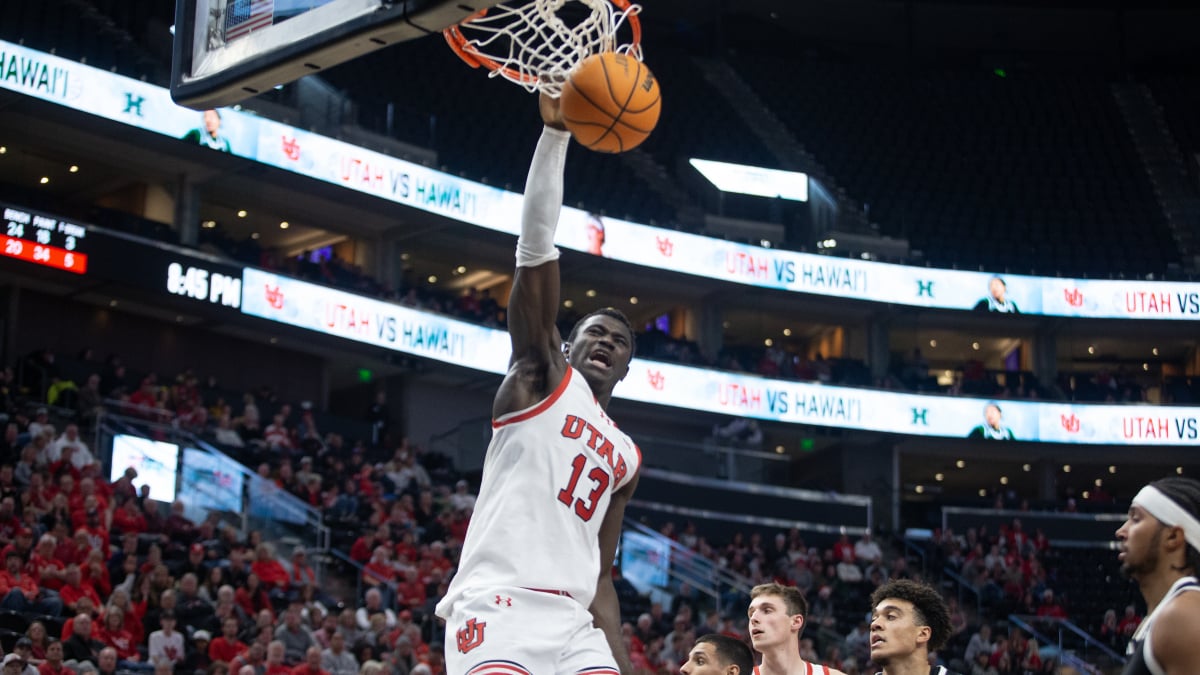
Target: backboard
[229,50]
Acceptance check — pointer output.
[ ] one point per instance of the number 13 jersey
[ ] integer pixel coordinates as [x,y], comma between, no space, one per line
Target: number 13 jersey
[548,478]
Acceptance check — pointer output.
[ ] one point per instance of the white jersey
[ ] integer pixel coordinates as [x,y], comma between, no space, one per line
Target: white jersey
[548,478]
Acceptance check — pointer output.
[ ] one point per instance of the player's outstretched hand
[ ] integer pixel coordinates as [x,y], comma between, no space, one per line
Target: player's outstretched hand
[551,114]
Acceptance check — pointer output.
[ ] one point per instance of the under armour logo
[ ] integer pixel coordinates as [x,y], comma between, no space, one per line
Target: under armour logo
[924,288]
[506,601]
[470,635]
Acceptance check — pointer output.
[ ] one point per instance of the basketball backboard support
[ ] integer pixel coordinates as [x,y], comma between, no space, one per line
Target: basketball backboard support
[226,51]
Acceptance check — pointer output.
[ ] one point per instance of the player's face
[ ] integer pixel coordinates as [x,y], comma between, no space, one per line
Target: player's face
[601,351]
[894,631]
[1139,539]
[992,415]
[702,661]
[770,623]
[997,288]
[212,121]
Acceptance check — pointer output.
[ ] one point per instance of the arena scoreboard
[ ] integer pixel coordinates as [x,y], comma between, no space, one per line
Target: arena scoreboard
[46,240]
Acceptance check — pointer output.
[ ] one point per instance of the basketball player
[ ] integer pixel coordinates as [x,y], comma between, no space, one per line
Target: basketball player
[715,654]
[909,620]
[534,591]
[776,620]
[1160,550]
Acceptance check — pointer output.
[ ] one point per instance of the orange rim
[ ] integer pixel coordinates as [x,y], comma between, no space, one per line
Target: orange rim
[476,59]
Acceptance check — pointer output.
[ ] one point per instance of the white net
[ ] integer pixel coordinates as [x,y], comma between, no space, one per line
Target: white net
[537,45]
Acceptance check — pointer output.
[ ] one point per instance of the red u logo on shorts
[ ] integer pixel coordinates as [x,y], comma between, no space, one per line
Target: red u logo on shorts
[470,635]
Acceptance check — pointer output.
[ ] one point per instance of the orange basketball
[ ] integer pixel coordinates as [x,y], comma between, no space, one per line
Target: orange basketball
[611,103]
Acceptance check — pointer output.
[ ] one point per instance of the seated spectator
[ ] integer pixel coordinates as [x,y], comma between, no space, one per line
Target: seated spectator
[253,658]
[129,518]
[117,637]
[866,551]
[275,659]
[198,660]
[252,597]
[53,665]
[166,644]
[269,570]
[295,638]
[1129,623]
[39,640]
[374,605]
[70,448]
[81,645]
[24,649]
[22,592]
[336,660]
[75,588]
[312,663]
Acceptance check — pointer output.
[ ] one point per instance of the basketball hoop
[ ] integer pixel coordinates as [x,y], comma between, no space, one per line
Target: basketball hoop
[535,47]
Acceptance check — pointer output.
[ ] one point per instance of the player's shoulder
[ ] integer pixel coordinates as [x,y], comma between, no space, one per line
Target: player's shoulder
[1178,623]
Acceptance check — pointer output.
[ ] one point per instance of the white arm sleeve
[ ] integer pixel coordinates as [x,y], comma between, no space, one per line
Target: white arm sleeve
[543,200]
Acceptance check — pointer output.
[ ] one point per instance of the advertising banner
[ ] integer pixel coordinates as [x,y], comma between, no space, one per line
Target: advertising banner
[148,107]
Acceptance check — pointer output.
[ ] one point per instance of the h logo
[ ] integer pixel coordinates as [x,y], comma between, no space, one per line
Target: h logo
[470,635]
[925,288]
[919,416]
[133,104]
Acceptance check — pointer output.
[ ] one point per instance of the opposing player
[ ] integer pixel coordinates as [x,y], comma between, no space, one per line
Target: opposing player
[908,621]
[534,591]
[715,654]
[1160,550]
[776,620]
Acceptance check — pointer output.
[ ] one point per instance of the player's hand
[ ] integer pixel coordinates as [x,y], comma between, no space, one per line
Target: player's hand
[551,114]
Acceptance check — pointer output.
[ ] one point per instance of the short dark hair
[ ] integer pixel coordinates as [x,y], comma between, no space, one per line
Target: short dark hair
[614,313]
[793,598]
[1186,493]
[928,604]
[730,652]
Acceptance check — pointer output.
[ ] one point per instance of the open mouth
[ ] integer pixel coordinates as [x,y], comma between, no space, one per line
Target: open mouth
[756,633]
[600,358]
[877,640]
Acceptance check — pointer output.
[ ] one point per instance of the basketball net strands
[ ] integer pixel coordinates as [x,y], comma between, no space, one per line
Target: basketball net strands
[537,45]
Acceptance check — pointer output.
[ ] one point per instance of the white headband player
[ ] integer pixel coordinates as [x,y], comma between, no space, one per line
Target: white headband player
[1169,513]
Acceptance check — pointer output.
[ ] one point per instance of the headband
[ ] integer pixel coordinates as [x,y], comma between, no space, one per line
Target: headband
[1169,513]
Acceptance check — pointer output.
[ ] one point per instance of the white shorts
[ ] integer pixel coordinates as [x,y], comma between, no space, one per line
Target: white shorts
[517,631]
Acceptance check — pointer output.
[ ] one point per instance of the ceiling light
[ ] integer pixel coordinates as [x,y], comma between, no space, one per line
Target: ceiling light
[960,464]
[591,292]
[432,279]
[1145,366]
[461,269]
[283,225]
[112,303]
[241,213]
[982,492]
[405,256]
[1026,468]
[939,477]
[1087,495]
[1112,468]
[1004,480]
[1099,482]
[208,224]
[779,449]
[1091,349]
[933,343]
[1179,470]
[1066,468]
[255,235]
[73,169]
[1154,351]
[274,340]
[44,180]
[768,342]
[3,149]
[633,300]
[787,332]
[920,489]
[568,303]
[975,346]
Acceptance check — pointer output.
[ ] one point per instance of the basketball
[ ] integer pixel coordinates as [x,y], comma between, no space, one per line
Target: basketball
[611,103]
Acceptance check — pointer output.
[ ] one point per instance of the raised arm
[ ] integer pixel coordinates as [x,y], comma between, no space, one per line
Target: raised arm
[537,364]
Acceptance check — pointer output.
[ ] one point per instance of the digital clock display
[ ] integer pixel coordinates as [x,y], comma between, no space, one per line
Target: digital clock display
[44,240]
